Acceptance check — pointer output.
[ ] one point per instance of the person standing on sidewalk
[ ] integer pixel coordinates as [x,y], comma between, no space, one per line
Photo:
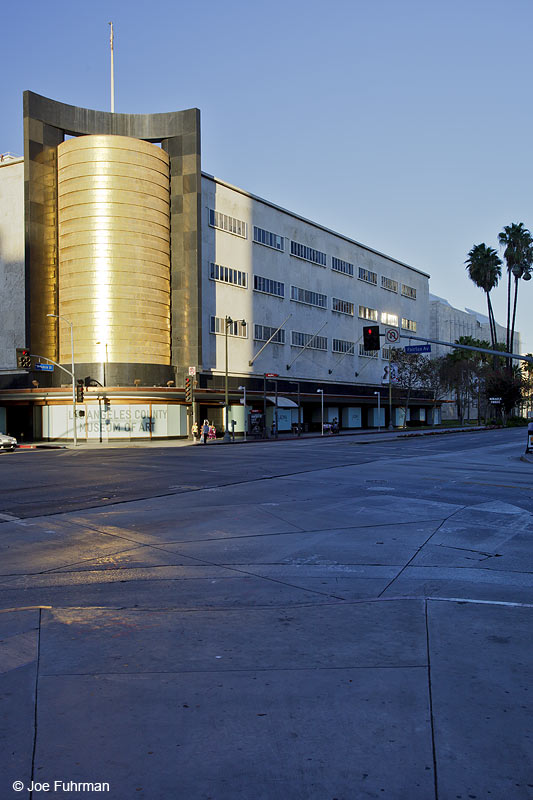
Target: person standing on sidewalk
[205,430]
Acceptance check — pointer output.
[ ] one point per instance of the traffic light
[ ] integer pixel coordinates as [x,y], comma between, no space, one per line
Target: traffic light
[79,391]
[371,337]
[23,358]
[188,390]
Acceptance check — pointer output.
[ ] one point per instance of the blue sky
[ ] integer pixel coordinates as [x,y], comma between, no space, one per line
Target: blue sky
[406,126]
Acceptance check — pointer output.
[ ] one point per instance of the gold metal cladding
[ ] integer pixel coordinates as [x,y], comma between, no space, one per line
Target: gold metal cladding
[130,198]
[114,250]
[78,212]
[103,237]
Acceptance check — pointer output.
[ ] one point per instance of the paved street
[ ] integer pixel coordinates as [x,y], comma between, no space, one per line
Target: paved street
[326,619]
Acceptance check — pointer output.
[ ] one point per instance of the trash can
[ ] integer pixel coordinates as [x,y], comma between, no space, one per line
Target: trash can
[529,445]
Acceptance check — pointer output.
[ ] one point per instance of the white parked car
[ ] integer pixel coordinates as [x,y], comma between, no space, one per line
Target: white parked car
[7,442]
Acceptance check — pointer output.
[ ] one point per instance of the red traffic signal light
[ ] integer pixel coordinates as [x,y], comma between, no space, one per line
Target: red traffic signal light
[23,358]
[371,337]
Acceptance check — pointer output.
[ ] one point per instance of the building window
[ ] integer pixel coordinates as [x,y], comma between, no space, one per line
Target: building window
[408,291]
[366,275]
[268,238]
[236,328]
[386,353]
[262,333]
[226,223]
[228,275]
[303,339]
[341,266]
[308,297]
[342,306]
[308,254]
[342,346]
[389,284]
[389,319]
[268,286]
[368,353]
[368,313]
[409,325]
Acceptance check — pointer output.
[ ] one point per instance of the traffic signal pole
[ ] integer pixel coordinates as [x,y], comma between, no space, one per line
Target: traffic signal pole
[49,361]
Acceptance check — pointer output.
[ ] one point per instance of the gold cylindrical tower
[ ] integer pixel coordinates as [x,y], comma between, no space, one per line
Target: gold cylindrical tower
[114,250]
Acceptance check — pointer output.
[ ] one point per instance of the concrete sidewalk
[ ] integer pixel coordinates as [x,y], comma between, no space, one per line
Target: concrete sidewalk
[360,631]
[366,435]
[406,699]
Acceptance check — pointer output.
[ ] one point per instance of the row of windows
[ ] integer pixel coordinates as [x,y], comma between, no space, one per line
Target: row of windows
[239,227]
[386,318]
[308,253]
[341,266]
[408,291]
[342,306]
[228,275]
[268,286]
[309,340]
[308,297]
[389,283]
[261,236]
[235,328]
[262,333]
[226,223]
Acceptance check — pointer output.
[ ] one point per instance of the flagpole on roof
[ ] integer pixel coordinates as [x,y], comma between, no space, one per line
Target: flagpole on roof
[112,71]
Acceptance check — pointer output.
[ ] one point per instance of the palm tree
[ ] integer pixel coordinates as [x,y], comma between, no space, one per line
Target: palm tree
[485,270]
[518,255]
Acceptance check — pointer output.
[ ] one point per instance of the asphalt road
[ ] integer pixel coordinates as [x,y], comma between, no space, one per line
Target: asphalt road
[41,482]
[334,619]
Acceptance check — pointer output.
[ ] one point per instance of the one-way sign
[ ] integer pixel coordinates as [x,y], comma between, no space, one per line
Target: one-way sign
[418,348]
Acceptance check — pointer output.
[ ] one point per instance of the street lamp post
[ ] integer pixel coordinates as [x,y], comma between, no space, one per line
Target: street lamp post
[243,389]
[60,316]
[105,363]
[378,394]
[227,322]
[321,392]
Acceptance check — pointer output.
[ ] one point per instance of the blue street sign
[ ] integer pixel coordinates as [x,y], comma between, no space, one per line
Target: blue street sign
[418,348]
[44,367]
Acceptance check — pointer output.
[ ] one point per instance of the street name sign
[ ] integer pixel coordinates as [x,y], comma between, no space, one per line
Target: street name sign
[418,348]
[44,367]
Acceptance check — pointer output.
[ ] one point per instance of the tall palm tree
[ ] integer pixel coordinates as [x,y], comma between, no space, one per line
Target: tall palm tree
[518,255]
[485,270]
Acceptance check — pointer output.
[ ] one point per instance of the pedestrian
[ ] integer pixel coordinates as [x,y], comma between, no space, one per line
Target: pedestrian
[195,431]
[205,430]
[212,432]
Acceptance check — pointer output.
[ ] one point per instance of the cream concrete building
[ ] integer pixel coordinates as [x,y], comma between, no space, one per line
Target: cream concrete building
[160,271]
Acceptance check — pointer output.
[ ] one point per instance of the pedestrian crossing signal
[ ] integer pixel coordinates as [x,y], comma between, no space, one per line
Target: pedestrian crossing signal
[371,337]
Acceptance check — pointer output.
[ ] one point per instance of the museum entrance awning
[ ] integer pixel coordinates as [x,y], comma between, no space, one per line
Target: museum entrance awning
[283,402]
